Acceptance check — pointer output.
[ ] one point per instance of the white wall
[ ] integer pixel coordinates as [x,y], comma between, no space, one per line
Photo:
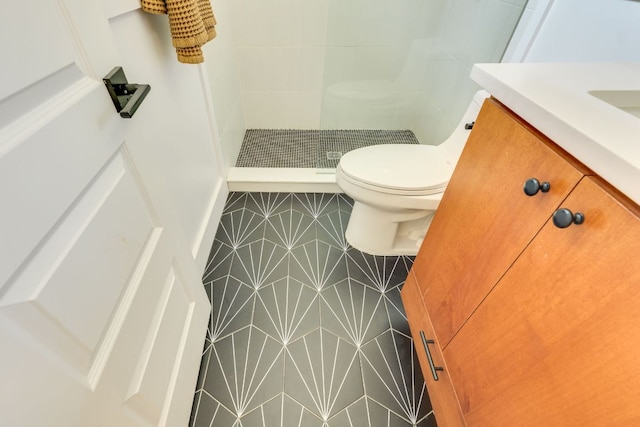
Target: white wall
[391,64]
[280,48]
[184,145]
[224,85]
[587,30]
[472,31]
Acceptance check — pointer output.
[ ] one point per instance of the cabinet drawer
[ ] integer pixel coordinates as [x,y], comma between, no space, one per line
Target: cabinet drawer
[441,393]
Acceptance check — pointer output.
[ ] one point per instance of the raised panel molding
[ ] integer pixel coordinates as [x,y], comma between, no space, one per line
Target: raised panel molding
[39,158]
[80,273]
[160,358]
[34,58]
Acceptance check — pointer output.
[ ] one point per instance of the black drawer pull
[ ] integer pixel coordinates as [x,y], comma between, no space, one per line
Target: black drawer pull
[434,368]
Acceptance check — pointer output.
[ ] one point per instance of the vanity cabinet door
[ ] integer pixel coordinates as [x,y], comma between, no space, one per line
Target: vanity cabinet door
[557,341]
[441,393]
[485,220]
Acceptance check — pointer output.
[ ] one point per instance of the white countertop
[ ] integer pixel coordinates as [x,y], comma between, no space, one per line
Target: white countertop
[554,98]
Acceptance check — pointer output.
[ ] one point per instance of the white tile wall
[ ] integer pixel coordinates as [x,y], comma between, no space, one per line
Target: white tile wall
[291,53]
[225,83]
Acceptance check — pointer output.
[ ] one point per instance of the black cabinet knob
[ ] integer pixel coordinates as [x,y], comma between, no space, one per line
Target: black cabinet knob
[532,186]
[563,217]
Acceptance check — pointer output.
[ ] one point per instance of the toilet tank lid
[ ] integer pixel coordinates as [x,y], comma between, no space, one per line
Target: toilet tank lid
[405,168]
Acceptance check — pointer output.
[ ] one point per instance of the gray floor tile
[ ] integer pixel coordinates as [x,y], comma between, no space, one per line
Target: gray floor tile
[290,229]
[318,264]
[323,373]
[240,227]
[209,412]
[381,272]
[353,311]
[367,413]
[267,205]
[232,305]
[331,228]
[286,310]
[395,311]
[392,376]
[304,329]
[279,412]
[260,263]
[245,371]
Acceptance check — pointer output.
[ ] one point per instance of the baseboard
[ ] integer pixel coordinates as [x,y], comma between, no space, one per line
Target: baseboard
[202,246]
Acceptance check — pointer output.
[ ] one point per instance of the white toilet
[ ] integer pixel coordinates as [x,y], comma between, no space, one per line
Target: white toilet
[397,188]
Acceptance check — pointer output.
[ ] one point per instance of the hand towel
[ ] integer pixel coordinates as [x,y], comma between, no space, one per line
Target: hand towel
[191,22]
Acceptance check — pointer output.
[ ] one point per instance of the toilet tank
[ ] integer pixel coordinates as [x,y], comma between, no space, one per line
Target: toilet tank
[455,143]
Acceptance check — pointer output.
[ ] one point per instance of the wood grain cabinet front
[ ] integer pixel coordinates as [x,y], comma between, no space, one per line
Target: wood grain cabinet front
[533,324]
[485,219]
[441,392]
[557,342]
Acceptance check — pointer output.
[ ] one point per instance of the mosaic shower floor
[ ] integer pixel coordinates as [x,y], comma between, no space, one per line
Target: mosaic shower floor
[286,148]
[305,330]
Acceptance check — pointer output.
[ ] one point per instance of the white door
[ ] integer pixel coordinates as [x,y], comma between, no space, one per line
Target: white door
[102,312]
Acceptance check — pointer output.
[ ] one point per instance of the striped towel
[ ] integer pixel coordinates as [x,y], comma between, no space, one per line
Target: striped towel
[191,22]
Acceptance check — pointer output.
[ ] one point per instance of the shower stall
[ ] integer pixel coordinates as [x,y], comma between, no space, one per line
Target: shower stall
[329,65]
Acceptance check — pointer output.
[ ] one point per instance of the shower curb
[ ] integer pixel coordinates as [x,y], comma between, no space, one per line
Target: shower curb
[279,180]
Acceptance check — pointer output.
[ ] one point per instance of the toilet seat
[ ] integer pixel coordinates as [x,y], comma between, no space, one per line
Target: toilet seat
[402,169]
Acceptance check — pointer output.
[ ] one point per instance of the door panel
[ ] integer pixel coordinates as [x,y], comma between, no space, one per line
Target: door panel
[40,160]
[39,57]
[155,369]
[72,284]
[102,310]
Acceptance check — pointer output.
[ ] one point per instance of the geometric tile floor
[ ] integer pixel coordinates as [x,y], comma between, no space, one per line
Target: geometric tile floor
[304,329]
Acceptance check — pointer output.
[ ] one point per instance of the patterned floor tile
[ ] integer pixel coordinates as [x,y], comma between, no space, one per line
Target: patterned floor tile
[323,373]
[279,412]
[290,229]
[368,413]
[304,329]
[260,263]
[353,311]
[286,310]
[209,412]
[318,264]
[268,204]
[381,272]
[390,380]
[232,306]
[332,226]
[245,370]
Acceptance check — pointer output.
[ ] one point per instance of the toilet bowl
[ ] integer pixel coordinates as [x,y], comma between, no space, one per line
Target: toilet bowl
[397,188]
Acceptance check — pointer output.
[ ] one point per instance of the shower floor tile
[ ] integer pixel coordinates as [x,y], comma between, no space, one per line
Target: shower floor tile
[287,148]
[304,329]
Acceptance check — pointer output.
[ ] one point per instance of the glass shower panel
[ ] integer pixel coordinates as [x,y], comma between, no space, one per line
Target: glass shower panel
[405,64]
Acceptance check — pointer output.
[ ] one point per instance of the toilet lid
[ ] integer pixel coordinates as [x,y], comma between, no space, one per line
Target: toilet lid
[410,169]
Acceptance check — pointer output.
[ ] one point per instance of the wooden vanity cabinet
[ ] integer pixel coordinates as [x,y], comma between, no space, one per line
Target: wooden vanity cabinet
[557,341]
[441,393]
[532,324]
[485,220]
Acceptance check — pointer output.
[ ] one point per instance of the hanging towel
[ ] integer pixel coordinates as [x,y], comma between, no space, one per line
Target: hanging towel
[191,22]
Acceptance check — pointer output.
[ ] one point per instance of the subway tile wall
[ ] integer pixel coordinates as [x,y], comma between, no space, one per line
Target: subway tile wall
[350,64]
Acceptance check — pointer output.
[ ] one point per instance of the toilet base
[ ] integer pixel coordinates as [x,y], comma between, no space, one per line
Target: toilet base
[387,233]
